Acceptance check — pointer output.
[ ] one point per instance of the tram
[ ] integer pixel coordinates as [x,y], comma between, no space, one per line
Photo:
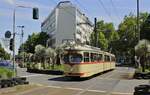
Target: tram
[85,61]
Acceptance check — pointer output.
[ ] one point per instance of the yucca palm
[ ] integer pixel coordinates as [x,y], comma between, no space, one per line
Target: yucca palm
[40,53]
[50,55]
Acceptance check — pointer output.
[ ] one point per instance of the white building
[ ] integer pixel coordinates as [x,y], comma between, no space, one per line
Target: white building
[66,22]
[5,44]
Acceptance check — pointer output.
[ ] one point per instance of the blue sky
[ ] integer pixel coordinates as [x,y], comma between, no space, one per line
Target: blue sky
[92,8]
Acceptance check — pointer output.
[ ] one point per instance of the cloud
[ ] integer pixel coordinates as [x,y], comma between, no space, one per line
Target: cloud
[11,2]
[33,4]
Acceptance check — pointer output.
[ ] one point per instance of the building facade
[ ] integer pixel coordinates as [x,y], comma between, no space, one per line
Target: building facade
[4,42]
[67,23]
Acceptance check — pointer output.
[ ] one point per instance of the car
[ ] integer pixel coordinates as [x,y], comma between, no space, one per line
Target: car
[6,63]
[118,63]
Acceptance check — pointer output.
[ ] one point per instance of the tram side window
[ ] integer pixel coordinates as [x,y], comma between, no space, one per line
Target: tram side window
[75,58]
[86,57]
[113,58]
[66,58]
[93,57]
[107,58]
[100,57]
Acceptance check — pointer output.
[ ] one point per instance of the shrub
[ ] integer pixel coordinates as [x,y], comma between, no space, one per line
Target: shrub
[6,73]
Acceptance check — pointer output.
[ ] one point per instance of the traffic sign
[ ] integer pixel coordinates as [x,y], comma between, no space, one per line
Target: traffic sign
[7,34]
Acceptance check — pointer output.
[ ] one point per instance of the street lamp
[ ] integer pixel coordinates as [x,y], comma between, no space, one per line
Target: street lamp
[35,13]
[138,24]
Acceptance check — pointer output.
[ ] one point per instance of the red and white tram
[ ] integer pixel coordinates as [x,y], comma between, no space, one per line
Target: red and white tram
[85,61]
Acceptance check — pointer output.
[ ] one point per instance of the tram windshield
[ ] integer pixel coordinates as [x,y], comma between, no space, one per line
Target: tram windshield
[72,58]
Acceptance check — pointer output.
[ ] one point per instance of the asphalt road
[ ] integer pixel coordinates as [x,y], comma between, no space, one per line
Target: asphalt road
[116,82]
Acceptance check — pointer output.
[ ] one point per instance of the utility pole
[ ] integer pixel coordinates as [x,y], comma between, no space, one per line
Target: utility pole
[22,35]
[35,16]
[14,25]
[95,32]
[138,24]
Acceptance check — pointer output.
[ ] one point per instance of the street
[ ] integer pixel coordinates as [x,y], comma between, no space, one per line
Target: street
[78,38]
[116,82]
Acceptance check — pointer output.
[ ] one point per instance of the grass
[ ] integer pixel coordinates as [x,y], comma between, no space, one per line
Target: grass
[48,67]
[6,73]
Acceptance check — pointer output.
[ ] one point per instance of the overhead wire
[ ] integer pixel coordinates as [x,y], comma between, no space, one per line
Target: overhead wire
[81,5]
[106,11]
[115,9]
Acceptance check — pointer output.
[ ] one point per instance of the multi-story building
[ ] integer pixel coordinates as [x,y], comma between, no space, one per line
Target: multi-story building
[4,42]
[65,23]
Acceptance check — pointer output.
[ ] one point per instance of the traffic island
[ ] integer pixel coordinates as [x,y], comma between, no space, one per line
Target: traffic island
[142,90]
[13,82]
[142,75]
[52,72]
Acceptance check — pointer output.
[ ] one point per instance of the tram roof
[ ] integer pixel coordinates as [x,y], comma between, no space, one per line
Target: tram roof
[86,48]
[82,47]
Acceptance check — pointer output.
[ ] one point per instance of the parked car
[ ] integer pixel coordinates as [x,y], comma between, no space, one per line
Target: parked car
[6,64]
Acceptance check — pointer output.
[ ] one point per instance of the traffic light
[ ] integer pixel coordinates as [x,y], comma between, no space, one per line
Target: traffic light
[11,45]
[35,13]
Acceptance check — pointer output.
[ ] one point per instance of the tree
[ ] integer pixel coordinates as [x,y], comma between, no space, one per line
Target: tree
[142,49]
[128,35]
[33,40]
[59,51]
[51,54]
[145,27]
[40,54]
[106,35]
[102,41]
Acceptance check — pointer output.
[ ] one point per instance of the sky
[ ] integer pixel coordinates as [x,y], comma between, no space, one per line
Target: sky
[107,10]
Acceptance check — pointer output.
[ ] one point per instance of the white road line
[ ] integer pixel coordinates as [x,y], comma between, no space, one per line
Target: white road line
[55,86]
[32,75]
[97,91]
[74,88]
[84,90]
[120,93]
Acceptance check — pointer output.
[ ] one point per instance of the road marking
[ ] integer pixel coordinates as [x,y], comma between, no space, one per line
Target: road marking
[84,90]
[70,88]
[32,75]
[121,93]
[74,88]
[55,86]
[97,91]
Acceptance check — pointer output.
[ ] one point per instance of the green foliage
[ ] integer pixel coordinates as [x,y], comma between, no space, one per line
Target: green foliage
[128,36]
[33,40]
[40,52]
[6,73]
[106,35]
[102,41]
[122,41]
[145,27]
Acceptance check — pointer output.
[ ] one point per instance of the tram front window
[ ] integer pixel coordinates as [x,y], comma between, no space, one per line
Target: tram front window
[72,58]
